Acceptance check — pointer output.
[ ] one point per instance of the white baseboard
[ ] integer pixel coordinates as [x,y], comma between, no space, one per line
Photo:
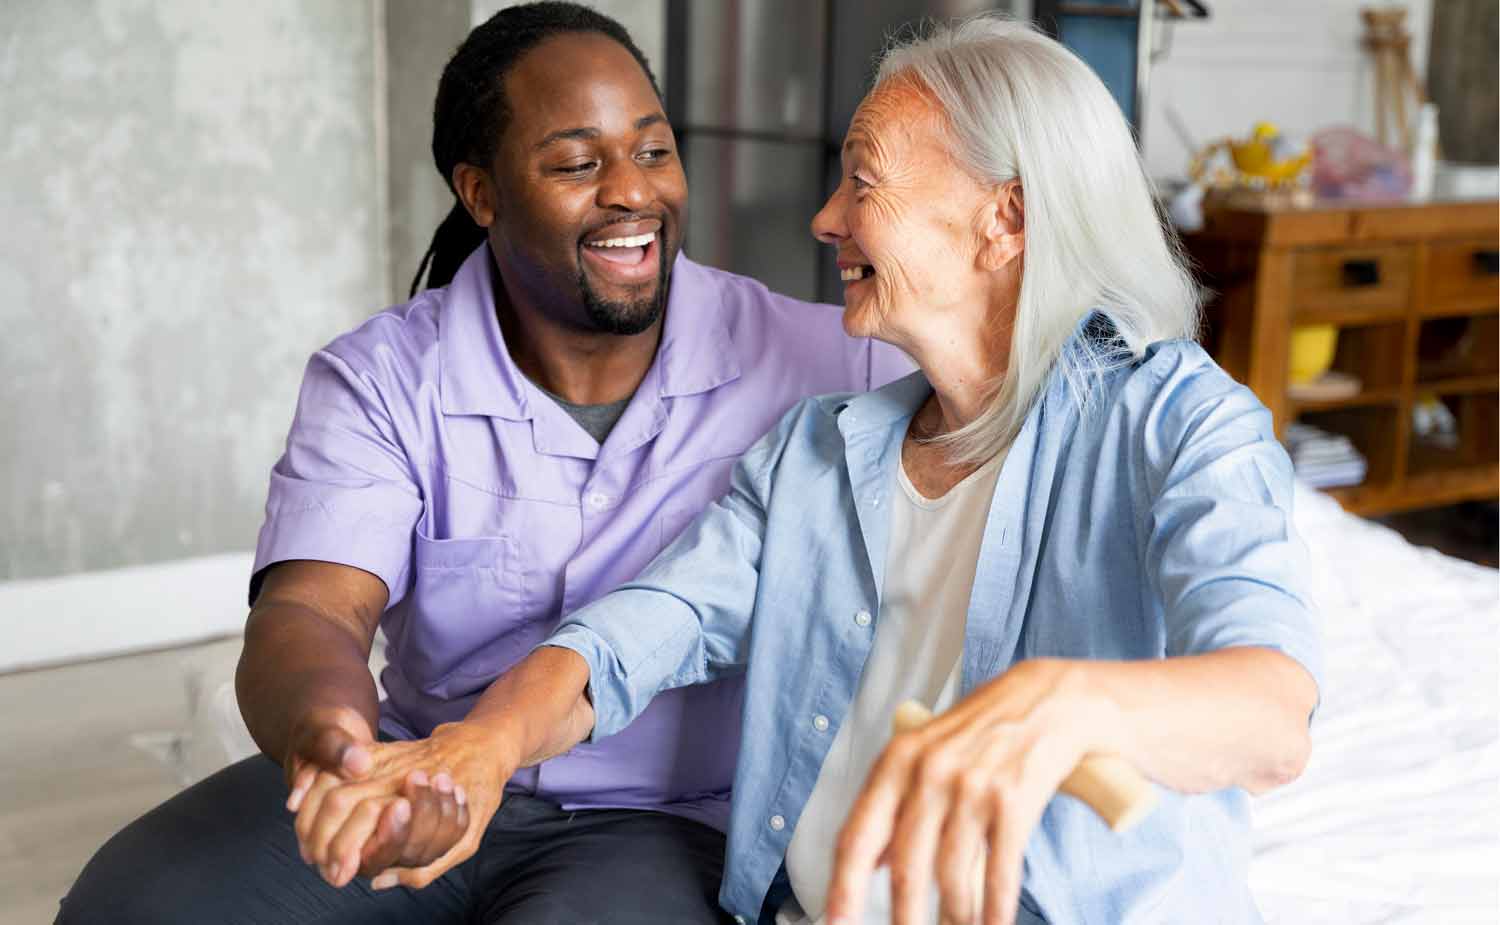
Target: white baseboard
[51,620]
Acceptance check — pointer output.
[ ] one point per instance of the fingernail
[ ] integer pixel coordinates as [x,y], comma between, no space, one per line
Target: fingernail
[443,782]
[402,812]
[383,882]
[419,778]
[294,801]
[460,796]
[356,759]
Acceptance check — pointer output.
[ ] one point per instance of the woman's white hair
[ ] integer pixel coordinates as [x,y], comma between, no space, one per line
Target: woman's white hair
[1021,106]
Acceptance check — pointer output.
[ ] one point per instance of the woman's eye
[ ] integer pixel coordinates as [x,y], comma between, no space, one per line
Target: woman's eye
[858,181]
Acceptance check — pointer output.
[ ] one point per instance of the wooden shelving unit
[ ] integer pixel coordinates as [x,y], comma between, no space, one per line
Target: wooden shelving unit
[1415,291]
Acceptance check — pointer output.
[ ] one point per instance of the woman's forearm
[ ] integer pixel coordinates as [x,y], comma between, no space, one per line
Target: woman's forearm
[1233,718]
[538,709]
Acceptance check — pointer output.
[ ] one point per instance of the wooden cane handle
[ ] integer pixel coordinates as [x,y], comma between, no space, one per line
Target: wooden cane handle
[1109,784]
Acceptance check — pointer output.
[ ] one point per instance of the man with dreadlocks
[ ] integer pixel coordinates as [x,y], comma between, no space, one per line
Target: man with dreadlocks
[464,470]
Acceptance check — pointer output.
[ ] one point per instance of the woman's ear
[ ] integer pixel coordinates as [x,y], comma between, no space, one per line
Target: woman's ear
[1002,226]
[476,191]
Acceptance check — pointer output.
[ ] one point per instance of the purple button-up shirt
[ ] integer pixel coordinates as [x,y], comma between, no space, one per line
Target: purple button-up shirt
[421,453]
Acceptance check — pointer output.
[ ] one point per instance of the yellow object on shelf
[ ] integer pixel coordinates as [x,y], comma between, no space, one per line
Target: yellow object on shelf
[1312,351]
[1257,156]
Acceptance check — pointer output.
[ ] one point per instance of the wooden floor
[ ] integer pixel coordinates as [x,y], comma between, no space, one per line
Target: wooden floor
[69,775]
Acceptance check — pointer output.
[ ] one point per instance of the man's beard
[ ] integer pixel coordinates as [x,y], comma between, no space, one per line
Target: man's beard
[626,317]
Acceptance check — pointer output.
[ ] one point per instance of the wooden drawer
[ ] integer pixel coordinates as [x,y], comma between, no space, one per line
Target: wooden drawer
[1463,276]
[1351,284]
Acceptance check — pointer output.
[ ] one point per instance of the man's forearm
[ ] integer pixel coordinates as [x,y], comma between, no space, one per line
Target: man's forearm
[538,709]
[293,663]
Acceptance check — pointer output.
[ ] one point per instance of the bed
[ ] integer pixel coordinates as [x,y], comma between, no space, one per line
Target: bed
[1397,818]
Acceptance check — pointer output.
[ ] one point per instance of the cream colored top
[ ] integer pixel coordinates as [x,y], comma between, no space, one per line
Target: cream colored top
[916,655]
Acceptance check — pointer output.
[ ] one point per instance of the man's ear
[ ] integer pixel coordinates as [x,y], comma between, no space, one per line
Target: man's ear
[1002,226]
[476,190]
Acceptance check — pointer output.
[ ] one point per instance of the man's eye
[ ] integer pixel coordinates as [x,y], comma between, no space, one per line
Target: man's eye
[576,168]
[858,181]
[656,154]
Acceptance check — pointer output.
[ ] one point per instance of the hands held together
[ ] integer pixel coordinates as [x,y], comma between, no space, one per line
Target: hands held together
[394,812]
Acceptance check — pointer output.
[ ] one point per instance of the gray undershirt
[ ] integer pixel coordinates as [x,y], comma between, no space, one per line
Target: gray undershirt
[596,420]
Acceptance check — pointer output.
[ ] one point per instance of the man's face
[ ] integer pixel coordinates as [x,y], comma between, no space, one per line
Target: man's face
[590,192]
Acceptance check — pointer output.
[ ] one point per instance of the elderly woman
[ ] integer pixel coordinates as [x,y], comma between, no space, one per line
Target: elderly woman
[1070,531]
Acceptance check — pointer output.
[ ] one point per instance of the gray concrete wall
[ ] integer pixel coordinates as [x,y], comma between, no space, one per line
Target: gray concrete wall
[421,36]
[192,202]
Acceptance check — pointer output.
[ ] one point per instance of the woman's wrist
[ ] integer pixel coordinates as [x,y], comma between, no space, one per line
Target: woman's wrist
[1084,704]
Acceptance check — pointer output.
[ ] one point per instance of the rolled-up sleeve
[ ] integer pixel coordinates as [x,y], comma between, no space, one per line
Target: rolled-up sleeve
[343,491]
[686,618]
[1222,551]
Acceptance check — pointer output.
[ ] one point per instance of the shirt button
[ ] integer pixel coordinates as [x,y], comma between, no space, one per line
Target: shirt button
[874,501]
[597,500]
[820,723]
[778,823]
[862,618]
[739,920]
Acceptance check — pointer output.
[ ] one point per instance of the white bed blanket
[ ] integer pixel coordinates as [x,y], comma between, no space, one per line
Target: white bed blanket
[1397,818]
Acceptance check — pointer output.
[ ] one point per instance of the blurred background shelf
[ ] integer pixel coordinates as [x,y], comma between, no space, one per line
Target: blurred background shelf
[1414,289]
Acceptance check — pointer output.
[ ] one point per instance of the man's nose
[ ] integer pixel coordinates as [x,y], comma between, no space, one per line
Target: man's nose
[624,186]
[828,225]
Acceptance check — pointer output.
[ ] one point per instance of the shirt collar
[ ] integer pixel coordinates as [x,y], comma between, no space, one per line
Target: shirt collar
[478,376]
[888,405]
[897,401]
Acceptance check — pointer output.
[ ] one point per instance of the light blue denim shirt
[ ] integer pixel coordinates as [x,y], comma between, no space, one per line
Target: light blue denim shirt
[1153,521]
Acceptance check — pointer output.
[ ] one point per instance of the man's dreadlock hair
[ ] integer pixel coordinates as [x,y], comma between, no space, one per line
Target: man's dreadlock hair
[470,113]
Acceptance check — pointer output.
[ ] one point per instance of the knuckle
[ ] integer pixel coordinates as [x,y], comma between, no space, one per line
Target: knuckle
[903,878]
[935,768]
[848,844]
[1002,796]
[972,785]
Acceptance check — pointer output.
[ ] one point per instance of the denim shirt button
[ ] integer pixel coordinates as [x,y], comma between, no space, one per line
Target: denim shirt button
[820,723]
[778,822]
[862,618]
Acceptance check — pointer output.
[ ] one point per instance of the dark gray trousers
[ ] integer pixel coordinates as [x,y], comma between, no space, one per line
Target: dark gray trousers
[224,851]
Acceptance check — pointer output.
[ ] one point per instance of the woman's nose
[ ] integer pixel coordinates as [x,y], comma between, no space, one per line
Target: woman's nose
[828,225]
[624,185]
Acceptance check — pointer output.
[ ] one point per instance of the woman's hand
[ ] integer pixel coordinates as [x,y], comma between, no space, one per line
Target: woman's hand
[419,811]
[958,798]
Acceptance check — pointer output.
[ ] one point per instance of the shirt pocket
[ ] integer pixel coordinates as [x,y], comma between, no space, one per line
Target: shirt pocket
[468,615]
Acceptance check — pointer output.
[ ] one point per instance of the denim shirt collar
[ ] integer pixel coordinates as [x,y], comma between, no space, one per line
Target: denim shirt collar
[874,426]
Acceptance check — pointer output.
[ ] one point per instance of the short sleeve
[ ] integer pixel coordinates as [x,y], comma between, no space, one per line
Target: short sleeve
[1222,550]
[343,491]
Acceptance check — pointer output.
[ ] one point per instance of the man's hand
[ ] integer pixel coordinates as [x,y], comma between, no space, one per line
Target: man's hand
[419,812]
[331,746]
[332,740]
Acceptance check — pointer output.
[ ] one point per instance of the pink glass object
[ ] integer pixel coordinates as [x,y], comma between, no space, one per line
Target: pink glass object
[1347,164]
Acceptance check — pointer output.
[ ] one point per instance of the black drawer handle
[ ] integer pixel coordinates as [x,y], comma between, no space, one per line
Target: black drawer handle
[1361,273]
[1487,262]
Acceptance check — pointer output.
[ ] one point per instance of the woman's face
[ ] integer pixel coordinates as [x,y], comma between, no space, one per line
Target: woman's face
[915,232]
